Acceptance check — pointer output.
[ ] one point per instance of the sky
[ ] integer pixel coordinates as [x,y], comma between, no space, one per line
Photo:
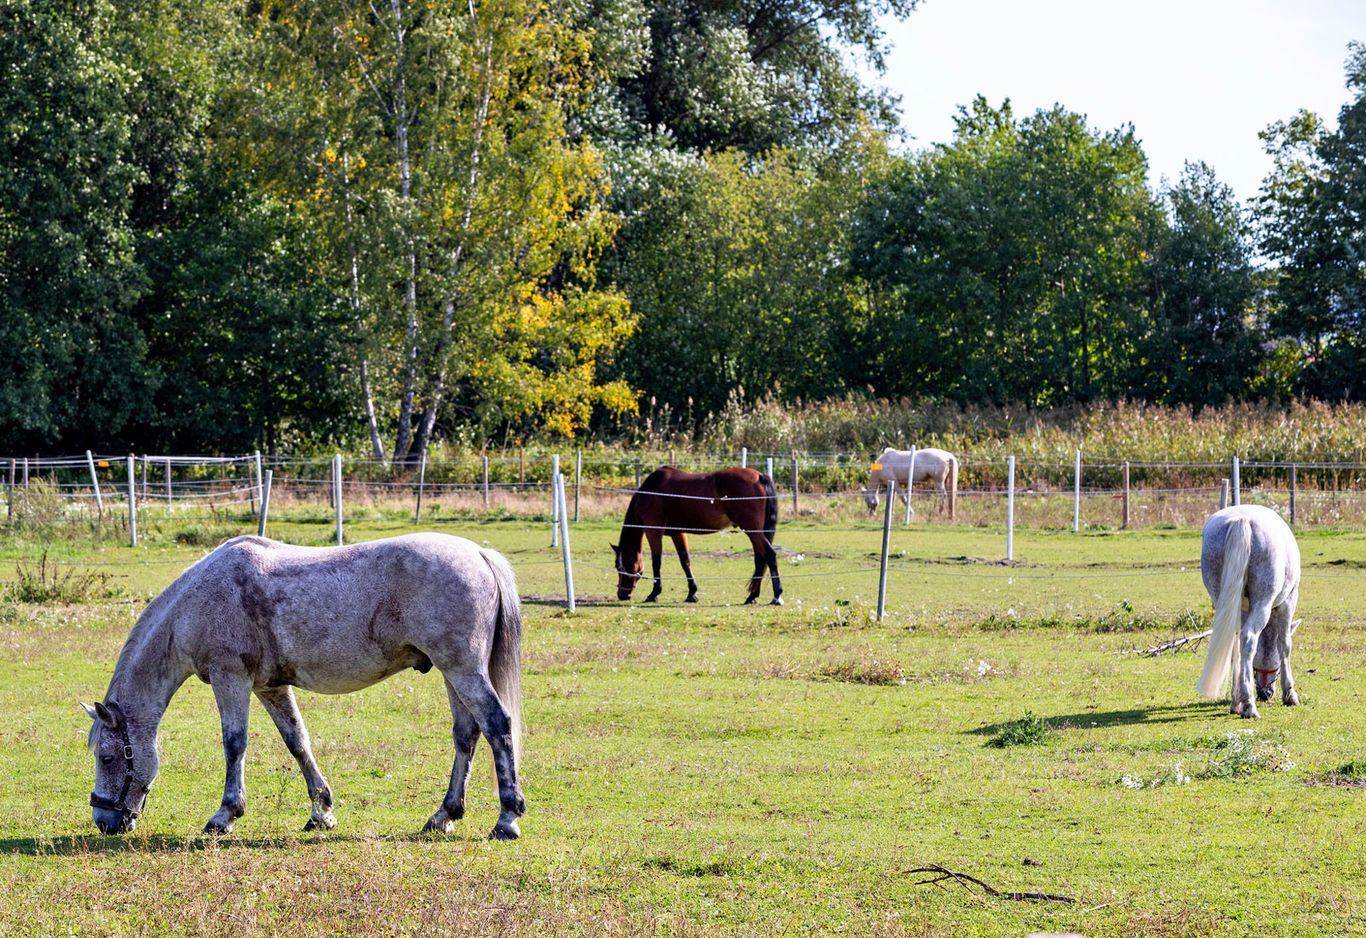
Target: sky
[1198,79]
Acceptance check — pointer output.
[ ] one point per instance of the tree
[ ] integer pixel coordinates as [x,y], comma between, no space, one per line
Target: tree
[1008,263]
[1202,348]
[744,74]
[71,367]
[433,142]
[1312,210]
[736,266]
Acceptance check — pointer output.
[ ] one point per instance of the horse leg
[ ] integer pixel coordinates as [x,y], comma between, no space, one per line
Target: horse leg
[465,732]
[756,581]
[478,697]
[1284,641]
[656,540]
[232,692]
[284,710]
[1244,702]
[771,558]
[680,540]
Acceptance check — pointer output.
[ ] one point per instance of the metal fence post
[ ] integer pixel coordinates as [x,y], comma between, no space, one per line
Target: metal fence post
[260,492]
[1293,491]
[564,542]
[265,505]
[1223,494]
[9,494]
[1237,487]
[1076,495]
[554,500]
[768,467]
[910,484]
[1124,472]
[796,483]
[337,493]
[637,473]
[95,481]
[168,481]
[132,503]
[486,481]
[744,456]
[886,543]
[1010,509]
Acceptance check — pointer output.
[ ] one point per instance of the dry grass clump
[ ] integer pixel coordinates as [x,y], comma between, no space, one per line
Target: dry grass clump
[868,669]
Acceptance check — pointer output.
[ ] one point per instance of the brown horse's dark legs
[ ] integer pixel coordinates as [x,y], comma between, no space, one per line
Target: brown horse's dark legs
[681,545]
[756,581]
[773,571]
[656,549]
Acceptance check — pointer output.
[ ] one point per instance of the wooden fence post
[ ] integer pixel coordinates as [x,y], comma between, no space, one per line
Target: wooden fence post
[421,483]
[1223,494]
[95,481]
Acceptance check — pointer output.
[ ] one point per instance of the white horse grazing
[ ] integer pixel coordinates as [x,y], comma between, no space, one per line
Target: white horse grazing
[936,465]
[1251,567]
[259,617]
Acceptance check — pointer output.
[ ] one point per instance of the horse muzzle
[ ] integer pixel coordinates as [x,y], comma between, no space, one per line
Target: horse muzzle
[114,822]
[623,595]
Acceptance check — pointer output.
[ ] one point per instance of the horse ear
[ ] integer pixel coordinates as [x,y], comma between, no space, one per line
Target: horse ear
[616,549]
[109,717]
[90,711]
[1295,625]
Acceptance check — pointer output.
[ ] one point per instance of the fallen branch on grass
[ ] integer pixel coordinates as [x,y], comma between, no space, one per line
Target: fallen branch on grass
[1172,645]
[964,879]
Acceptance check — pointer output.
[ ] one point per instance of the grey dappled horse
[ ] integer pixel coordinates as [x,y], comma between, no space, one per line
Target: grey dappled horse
[1251,567]
[258,617]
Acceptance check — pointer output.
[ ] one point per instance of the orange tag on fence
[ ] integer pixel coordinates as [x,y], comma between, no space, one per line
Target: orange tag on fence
[876,466]
[103,464]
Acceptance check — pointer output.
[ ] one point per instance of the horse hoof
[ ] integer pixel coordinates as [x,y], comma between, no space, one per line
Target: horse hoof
[650,599]
[777,601]
[439,823]
[214,829]
[324,823]
[691,599]
[1291,699]
[1250,713]
[505,830]
[750,601]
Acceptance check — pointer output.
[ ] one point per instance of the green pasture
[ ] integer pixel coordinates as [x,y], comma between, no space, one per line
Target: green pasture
[726,769]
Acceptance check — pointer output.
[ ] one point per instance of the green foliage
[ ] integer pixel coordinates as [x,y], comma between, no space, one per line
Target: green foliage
[46,582]
[1030,730]
[1011,261]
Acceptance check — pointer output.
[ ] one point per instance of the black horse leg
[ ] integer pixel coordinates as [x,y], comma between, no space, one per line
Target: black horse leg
[681,545]
[772,558]
[756,581]
[656,549]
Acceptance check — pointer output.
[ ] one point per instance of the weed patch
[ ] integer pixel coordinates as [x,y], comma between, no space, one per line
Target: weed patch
[1349,775]
[1029,730]
[867,670]
[46,582]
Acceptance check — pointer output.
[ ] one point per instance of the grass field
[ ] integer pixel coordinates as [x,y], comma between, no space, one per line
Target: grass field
[723,769]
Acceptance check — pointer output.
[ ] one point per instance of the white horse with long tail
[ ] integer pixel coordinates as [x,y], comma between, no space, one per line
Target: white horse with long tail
[933,465]
[1250,564]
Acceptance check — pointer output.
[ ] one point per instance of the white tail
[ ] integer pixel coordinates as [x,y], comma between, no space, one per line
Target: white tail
[1228,611]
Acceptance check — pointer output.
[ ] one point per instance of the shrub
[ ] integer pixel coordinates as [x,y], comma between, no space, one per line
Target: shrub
[49,583]
[1029,730]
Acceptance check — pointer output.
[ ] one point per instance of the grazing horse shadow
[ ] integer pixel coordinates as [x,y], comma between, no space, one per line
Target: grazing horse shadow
[82,845]
[1098,719]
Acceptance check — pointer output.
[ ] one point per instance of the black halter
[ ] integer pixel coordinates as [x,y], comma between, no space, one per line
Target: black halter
[118,804]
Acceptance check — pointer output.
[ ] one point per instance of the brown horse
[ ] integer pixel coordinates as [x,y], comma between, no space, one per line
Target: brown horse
[677,503]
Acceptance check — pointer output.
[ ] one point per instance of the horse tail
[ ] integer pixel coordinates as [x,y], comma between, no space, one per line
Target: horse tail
[505,656]
[770,508]
[953,487]
[1228,609]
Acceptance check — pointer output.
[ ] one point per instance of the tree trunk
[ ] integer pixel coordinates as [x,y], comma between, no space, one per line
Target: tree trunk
[401,126]
[367,389]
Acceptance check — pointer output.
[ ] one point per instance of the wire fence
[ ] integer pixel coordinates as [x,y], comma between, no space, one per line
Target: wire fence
[820,487]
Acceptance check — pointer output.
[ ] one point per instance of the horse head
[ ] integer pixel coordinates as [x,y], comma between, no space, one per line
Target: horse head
[870,497]
[126,763]
[626,578]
